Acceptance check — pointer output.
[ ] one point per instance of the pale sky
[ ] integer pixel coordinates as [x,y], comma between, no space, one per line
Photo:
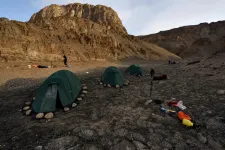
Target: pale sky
[140,17]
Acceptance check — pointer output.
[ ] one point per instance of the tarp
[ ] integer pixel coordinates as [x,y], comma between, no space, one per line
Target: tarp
[113,76]
[134,70]
[63,83]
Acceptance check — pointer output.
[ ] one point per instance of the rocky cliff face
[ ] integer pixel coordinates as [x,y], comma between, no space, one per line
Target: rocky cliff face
[203,40]
[82,32]
[99,14]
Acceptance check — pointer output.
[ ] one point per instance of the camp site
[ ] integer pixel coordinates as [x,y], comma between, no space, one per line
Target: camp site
[112,75]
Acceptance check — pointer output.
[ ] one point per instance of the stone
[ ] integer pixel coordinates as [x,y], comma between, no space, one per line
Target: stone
[66,109]
[125,84]
[26,108]
[85,92]
[136,136]
[28,112]
[74,105]
[117,86]
[28,103]
[38,148]
[73,148]
[15,139]
[148,102]
[181,145]
[214,144]
[79,99]
[40,115]
[139,145]
[85,88]
[82,95]
[61,143]
[120,132]
[124,145]
[49,115]
[202,138]
[88,134]
[100,83]
[221,92]
[108,85]
[91,147]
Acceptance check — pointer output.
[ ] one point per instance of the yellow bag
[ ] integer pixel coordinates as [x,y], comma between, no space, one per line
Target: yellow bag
[187,123]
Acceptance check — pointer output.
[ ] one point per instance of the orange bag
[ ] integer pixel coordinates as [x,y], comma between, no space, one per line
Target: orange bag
[182,115]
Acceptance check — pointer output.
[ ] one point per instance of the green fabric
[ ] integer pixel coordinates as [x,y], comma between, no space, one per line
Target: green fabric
[113,76]
[135,70]
[65,83]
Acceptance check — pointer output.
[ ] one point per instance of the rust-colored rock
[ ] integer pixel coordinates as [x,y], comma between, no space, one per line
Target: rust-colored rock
[203,40]
[81,31]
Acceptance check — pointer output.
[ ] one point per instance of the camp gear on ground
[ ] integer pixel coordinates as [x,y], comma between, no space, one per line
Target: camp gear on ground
[113,77]
[187,123]
[180,105]
[62,87]
[152,73]
[169,111]
[134,70]
[40,66]
[157,101]
[177,103]
[173,103]
[162,77]
[65,60]
[182,115]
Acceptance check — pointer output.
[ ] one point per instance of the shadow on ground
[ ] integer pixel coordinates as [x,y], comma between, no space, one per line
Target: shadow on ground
[110,118]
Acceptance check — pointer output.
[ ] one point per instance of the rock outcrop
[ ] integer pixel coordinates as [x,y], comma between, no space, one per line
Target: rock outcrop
[81,31]
[203,40]
[98,14]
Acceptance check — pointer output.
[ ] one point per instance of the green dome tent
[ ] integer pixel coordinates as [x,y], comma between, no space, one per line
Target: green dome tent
[134,70]
[61,87]
[113,77]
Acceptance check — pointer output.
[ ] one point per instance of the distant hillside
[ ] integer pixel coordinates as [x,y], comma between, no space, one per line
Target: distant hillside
[203,40]
[81,31]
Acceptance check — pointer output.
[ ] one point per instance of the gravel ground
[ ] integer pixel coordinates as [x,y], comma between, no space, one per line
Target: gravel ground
[118,119]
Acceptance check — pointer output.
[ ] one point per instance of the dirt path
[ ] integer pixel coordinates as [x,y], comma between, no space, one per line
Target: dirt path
[117,119]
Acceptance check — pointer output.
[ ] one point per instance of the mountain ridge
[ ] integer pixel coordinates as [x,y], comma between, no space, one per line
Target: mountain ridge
[81,31]
[183,41]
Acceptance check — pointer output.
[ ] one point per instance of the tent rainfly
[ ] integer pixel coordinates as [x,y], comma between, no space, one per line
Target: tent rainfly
[135,70]
[63,88]
[113,77]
